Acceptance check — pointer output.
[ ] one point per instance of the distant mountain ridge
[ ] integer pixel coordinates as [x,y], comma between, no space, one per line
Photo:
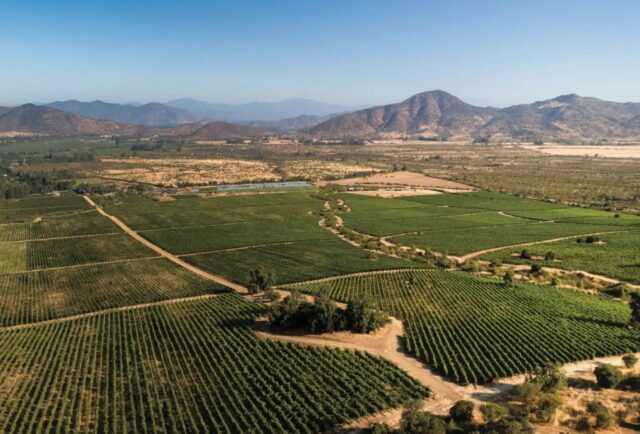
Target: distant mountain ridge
[258,111]
[151,114]
[439,114]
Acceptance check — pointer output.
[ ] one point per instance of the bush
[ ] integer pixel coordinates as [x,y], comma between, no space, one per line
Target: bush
[462,412]
[492,413]
[260,280]
[549,256]
[549,378]
[630,360]
[415,421]
[608,376]
[509,278]
[536,268]
[546,407]
[525,254]
[604,418]
[272,295]
[591,239]
[377,428]
[360,318]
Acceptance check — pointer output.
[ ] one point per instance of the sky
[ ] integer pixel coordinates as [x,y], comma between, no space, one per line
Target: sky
[349,52]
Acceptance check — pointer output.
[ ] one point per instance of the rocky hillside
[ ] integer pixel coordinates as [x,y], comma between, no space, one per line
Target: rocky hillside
[439,114]
[434,113]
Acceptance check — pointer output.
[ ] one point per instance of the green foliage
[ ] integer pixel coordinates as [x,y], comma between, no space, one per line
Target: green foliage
[549,378]
[630,360]
[492,413]
[525,254]
[509,278]
[362,318]
[634,304]
[188,367]
[603,417]
[473,329]
[260,280]
[549,256]
[608,376]
[415,421]
[462,412]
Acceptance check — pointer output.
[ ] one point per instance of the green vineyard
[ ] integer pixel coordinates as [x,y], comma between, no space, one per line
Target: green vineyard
[191,367]
[475,330]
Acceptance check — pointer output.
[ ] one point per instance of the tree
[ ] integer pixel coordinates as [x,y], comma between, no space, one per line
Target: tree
[634,304]
[630,360]
[325,316]
[462,412]
[492,413]
[549,378]
[604,418]
[360,318]
[525,254]
[509,278]
[608,376]
[260,280]
[415,421]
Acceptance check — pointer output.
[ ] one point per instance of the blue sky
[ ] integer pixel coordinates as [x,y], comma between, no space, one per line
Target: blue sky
[352,52]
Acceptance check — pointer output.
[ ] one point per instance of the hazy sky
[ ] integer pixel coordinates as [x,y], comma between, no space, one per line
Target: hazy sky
[354,52]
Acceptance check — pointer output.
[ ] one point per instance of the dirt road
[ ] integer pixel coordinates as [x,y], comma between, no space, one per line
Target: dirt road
[170,256]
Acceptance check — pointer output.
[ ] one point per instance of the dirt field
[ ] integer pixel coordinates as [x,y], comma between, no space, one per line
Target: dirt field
[398,193]
[318,169]
[604,151]
[405,178]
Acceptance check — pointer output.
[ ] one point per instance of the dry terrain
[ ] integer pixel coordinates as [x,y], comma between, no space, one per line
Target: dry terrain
[603,151]
[405,178]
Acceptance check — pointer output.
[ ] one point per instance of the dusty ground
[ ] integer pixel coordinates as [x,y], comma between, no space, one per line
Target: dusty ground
[171,172]
[605,151]
[398,192]
[405,178]
[318,169]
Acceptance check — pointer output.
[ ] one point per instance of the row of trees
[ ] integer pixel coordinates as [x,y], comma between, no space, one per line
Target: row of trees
[325,316]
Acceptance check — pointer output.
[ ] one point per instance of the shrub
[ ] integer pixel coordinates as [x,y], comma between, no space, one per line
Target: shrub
[492,413]
[415,421]
[550,256]
[608,376]
[525,254]
[630,360]
[260,280]
[272,295]
[509,278]
[536,268]
[549,378]
[546,407]
[604,418]
[462,412]
[360,318]
[591,239]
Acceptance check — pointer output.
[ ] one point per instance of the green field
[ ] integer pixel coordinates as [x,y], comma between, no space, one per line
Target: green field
[464,223]
[49,294]
[186,367]
[28,209]
[616,255]
[475,330]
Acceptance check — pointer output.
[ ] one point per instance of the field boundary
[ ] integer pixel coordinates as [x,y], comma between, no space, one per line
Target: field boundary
[70,237]
[166,254]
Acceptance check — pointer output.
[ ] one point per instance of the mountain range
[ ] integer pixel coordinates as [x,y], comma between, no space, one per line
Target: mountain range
[441,115]
[151,114]
[258,111]
[434,114]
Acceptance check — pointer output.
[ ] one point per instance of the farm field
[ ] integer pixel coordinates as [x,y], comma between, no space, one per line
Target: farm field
[467,222]
[184,367]
[474,330]
[296,262]
[616,255]
[50,294]
[28,209]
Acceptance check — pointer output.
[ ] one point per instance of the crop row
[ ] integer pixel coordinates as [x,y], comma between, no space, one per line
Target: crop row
[49,294]
[475,330]
[186,367]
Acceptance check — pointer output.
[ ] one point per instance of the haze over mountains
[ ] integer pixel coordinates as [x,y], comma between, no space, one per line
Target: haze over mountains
[151,114]
[434,114]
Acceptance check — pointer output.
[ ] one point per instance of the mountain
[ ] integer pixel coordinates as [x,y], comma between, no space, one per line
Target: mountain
[3,110]
[30,118]
[437,113]
[152,114]
[297,123]
[218,130]
[567,117]
[257,111]
[434,113]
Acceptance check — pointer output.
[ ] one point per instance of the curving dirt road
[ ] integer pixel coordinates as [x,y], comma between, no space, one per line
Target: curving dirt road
[162,252]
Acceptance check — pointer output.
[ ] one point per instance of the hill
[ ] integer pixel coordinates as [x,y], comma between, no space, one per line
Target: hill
[297,123]
[152,114]
[437,113]
[565,117]
[258,111]
[30,118]
[434,113]
[223,130]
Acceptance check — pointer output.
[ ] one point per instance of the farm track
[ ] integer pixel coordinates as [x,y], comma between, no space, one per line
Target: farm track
[164,253]
[106,311]
[477,253]
[253,246]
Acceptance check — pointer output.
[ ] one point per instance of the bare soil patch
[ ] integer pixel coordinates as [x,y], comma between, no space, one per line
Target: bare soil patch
[397,192]
[603,151]
[405,178]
